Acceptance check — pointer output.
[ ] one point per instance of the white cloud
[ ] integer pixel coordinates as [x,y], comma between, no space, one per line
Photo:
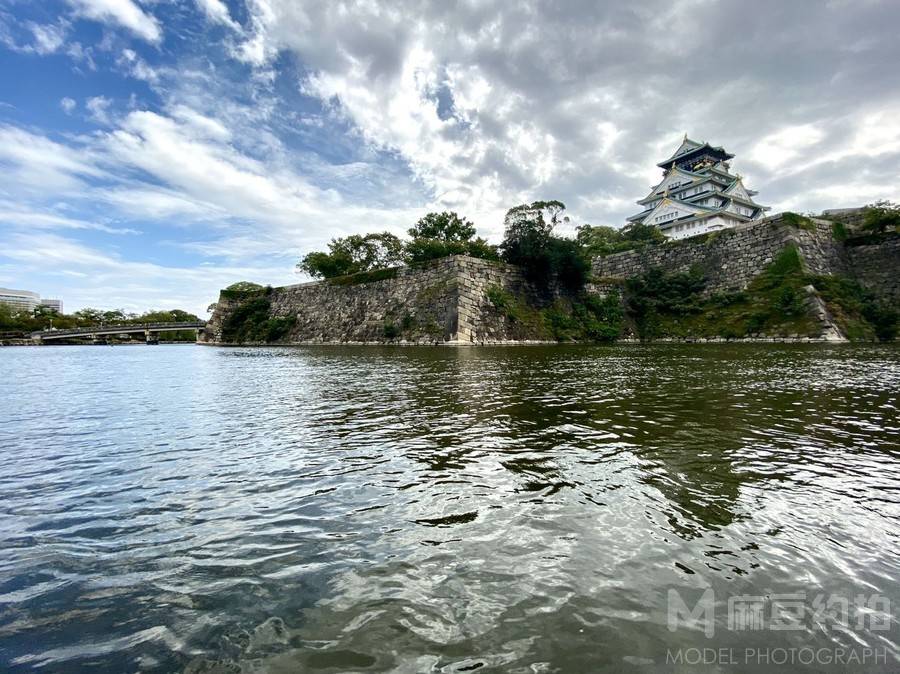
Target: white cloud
[81,54]
[35,163]
[155,203]
[182,173]
[19,216]
[217,12]
[98,106]
[67,104]
[275,210]
[123,13]
[877,133]
[486,104]
[489,110]
[47,37]
[199,125]
[786,144]
[137,67]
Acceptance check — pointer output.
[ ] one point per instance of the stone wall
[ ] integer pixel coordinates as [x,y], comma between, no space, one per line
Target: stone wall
[877,267]
[479,320]
[452,300]
[854,218]
[445,301]
[730,259]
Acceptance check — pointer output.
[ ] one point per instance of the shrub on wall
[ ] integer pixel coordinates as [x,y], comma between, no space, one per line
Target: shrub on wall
[364,277]
[857,310]
[672,304]
[882,216]
[776,302]
[797,220]
[250,322]
[839,231]
[243,289]
[587,318]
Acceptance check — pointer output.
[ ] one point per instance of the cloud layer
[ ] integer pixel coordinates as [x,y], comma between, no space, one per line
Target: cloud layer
[238,134]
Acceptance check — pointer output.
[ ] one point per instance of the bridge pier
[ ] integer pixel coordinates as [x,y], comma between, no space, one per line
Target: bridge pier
[149,338]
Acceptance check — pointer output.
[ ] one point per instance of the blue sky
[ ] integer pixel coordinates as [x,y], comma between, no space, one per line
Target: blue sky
[155,151]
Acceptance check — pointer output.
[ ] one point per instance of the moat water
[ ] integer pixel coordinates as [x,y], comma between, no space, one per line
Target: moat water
[521,509]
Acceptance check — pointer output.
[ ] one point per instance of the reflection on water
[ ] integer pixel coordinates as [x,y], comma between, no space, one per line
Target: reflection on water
[365,509]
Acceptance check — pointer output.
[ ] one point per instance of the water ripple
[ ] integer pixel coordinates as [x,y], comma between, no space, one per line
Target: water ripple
[523,509]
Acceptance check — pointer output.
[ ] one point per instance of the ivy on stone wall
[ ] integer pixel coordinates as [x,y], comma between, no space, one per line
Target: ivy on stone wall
[250,322]
[778,302]
[586,318]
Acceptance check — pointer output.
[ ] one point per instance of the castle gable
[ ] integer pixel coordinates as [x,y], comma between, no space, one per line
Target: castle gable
[669,210]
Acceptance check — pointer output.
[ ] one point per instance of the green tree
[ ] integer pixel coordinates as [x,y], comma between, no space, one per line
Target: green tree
[527,230]
[438,235]
[604,240]
[113,316]
[528,227]
[89,316]
[529,242]
[353,254]
[166,316]
[446,226]
[244,287]
[8,318]
[640,232]
[598,239]
[882,216]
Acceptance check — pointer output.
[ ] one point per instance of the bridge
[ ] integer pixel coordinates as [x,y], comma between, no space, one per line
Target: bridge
[97,332]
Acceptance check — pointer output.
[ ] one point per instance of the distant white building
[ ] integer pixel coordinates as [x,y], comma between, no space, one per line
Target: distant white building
[54,305]
[19,300]
[698,193]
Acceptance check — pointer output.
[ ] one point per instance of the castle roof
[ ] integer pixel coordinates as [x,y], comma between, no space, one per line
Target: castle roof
[690,148]
[694,180]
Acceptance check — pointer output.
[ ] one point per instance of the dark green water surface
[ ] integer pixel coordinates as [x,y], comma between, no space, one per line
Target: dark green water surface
[520,509]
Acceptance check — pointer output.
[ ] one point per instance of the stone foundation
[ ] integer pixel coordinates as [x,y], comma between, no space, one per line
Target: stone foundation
[442,302]
[732,258]
[448,301]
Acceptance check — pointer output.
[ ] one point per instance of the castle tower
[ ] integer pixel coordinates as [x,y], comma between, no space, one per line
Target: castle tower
[698,194]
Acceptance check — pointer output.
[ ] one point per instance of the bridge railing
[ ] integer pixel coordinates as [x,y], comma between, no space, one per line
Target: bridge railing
[120,327]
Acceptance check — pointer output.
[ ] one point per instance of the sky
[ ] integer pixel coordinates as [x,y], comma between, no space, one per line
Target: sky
[155,151]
